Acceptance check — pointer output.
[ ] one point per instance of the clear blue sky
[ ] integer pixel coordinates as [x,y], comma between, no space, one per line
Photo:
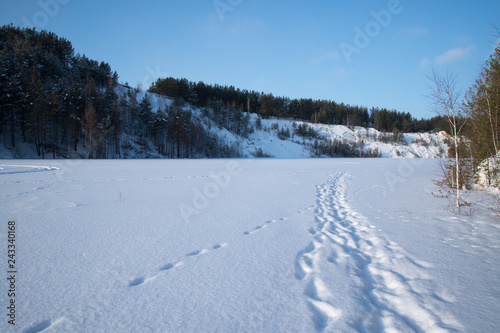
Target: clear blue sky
[337,50]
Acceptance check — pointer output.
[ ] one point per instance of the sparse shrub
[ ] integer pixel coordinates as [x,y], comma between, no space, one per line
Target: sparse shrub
[259,153]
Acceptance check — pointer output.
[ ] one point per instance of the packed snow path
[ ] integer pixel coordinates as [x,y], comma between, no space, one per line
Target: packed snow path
[393,290]
[245,246]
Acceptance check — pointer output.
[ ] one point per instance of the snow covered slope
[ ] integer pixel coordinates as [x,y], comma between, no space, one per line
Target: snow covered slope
[267,139]
[327,245]
[409,145]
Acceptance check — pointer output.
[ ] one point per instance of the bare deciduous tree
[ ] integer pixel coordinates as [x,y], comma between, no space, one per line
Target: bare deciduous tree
[445,96]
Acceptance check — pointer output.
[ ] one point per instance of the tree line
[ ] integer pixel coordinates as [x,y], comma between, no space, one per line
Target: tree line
[474,123]
[482,110]
[475,120]
[61,101]
[316,111]
[46,88]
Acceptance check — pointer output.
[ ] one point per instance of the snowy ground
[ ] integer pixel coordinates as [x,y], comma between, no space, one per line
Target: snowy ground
[334,245]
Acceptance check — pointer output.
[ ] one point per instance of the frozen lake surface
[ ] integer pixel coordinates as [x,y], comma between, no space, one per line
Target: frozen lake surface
[333,245]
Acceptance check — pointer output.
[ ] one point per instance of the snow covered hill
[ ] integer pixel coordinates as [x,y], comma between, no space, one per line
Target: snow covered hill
[278,138]
[409,145]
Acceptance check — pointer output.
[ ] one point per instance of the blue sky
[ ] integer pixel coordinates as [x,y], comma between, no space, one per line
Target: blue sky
[369,53]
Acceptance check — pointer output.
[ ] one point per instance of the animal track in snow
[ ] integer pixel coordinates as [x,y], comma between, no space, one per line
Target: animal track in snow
[203,251]
[43,325]
[263,226]
[197,253]
[39,327]
[138,281]
[170,266]
[312,207]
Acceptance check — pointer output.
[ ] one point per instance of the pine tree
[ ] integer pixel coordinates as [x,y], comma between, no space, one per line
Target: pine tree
[159,129]
[53,116]
[38,120]
[90,127]
[10,90]
[145,115]
[483,108]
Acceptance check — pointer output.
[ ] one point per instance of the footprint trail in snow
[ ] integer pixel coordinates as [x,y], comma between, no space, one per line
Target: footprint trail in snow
[170,266]
[354,278]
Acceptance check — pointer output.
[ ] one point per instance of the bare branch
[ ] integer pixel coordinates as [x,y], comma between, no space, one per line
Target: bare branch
[445,96]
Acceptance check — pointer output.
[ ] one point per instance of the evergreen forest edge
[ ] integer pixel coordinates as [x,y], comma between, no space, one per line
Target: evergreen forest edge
[56,99]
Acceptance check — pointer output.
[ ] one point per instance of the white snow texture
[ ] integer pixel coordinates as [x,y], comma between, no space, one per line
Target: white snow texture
[312,245]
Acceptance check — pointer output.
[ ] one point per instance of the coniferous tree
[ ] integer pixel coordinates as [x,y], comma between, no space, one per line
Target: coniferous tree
[145,115]
[38,120]
[483,108]
[10,90]
[53,117]
[47,93]
[90,127]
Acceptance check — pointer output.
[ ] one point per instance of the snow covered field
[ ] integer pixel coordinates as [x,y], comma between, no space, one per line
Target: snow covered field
[334,245]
